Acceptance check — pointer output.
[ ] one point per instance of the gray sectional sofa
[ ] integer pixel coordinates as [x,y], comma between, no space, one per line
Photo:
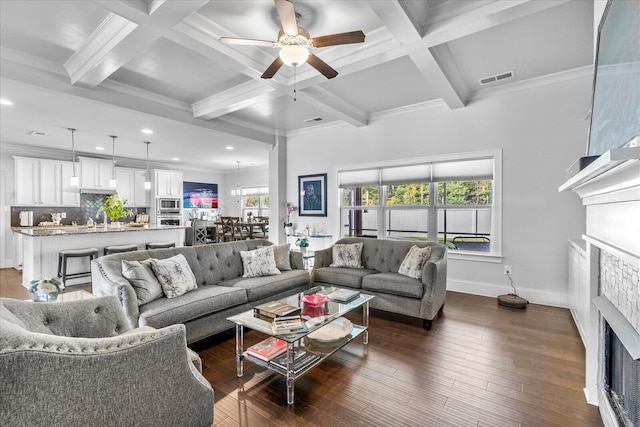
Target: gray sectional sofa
[381,259]
[221,291]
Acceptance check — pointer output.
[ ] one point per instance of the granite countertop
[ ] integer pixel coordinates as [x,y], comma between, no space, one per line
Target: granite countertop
[82,229]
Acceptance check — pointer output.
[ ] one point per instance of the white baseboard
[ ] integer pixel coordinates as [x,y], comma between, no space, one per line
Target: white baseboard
[554,299]
[6,263]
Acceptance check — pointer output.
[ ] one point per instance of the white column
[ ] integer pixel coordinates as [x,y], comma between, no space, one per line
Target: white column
[277,189]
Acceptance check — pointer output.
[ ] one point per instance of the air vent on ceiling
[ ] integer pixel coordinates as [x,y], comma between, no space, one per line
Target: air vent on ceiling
[497,77]
[314,119]
[36,133]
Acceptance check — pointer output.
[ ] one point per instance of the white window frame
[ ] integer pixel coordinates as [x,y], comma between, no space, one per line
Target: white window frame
[495,255]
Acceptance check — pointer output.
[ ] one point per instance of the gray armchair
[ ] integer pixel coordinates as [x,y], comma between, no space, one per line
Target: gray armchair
[80,363]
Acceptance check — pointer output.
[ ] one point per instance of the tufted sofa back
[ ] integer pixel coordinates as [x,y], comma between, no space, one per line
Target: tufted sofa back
[211,264]
[61,318]
[387,255]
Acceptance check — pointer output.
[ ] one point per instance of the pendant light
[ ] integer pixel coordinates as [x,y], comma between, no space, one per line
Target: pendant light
[147,181]
[75,181]
[112,181]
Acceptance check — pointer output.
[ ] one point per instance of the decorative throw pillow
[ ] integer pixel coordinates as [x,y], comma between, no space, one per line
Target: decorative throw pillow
[281,255]
[260,262]
[175,275]
[141,277]
[347,255]
[414,261]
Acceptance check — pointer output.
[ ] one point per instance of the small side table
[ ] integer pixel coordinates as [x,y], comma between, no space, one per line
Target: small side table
[308,258]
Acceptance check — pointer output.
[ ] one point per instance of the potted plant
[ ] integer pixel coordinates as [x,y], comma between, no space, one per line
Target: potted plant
[45,289]
[114,210]
[303,243]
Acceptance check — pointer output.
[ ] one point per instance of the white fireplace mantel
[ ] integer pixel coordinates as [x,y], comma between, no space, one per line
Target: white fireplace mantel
[609,188]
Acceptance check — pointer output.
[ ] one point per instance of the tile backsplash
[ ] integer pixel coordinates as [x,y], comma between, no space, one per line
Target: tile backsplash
[89,205]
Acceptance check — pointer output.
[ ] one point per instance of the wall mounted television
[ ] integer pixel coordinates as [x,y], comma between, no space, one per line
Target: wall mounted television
[199,195]
[615,109]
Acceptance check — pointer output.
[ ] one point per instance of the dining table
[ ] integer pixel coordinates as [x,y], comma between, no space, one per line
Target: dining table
[250,227]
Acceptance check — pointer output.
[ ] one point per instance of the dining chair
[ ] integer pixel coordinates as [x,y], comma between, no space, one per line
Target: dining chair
[263,231]
[227,228]
[240,232]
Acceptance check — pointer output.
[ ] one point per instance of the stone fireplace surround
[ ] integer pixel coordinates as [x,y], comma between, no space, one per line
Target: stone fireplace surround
[610,190]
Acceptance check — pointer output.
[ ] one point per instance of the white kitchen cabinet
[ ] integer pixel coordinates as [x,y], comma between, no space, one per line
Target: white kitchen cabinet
[95,173]
[27,179]
[168,183]
[579,295]
[70,193]
[124,188]
[50,183]
[140,194]
[41,182]
[131,186]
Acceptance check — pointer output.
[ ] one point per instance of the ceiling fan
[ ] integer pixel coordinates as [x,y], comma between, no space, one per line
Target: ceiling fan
[294,43]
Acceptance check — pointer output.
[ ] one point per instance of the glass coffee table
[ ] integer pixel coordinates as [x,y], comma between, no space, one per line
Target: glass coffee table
[315,318]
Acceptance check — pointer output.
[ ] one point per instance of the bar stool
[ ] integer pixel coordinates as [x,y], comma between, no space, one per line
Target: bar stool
[160,245]
[116,249]
[64,255]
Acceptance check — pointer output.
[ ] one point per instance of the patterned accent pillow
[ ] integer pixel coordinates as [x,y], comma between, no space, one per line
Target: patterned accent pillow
[414,261]
[347,255]
[141,277]
[260,262]
[175,275]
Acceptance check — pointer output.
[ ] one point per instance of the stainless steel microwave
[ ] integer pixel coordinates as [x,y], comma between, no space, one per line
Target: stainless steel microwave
[166,205]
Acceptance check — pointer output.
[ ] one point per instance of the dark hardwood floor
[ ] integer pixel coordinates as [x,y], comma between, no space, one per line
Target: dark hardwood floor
[480,365]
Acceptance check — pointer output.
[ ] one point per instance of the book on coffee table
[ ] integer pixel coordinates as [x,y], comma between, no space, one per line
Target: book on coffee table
[267,349]
[275,309]
[288,325]
[301,358]
[344,295]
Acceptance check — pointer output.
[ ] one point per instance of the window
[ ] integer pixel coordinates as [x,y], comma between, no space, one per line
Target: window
[256,201]
[451,199]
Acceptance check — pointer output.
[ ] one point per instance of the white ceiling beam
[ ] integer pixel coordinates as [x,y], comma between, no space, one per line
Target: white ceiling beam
[199,34]
[431,70]
[407,31]
[234,99]
[124,99]
[118,40]
[485,17]
[333,104]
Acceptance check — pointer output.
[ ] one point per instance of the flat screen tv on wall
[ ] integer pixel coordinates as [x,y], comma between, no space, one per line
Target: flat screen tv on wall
[615,111]
[199,195]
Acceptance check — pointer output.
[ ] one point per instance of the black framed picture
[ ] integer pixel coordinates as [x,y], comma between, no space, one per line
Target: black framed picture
[312,195]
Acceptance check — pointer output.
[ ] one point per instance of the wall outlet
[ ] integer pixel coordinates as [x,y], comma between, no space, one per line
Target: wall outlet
[63,215]
[507,270]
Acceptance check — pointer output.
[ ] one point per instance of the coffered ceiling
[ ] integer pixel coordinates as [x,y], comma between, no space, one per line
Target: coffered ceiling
[114,67]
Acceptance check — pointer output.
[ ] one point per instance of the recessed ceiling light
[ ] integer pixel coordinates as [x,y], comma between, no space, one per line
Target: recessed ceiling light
[5,102]
[147,131]
[175,159]
[100,148]
[229,147]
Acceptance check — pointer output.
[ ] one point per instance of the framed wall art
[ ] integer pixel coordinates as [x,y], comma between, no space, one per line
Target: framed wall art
[312,195]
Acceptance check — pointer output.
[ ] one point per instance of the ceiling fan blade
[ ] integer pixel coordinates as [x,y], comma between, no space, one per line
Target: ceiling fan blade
[247,42]
[324,68]
[273,68]
[287,15]
[336,39]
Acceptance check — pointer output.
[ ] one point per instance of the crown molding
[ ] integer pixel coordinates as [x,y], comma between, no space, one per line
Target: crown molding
[562,76]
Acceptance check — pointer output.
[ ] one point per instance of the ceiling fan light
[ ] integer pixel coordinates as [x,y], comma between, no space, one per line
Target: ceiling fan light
[294,55]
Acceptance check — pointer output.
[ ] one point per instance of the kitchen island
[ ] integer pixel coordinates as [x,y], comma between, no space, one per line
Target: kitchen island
[40,245]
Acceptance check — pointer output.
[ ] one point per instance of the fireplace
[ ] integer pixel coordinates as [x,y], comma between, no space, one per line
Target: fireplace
[609,303]
[621,380]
